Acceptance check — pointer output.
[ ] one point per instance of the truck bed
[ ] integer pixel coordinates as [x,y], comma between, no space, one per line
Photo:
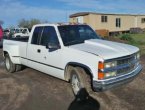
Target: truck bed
[16,47]
[22,39]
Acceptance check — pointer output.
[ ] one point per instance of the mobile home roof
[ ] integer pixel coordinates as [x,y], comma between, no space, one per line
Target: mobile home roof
[87,13]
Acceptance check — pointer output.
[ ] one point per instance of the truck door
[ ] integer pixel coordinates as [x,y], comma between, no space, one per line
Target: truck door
[40,57]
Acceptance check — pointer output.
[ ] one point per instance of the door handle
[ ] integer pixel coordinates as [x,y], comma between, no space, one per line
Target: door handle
[38,50]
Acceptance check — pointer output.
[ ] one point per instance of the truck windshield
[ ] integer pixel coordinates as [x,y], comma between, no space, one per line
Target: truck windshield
[75,34]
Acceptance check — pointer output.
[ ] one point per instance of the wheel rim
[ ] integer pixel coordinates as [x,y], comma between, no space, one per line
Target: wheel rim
[75,84]
[7,63]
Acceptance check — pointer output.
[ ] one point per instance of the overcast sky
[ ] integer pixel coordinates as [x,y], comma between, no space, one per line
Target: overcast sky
[11,11]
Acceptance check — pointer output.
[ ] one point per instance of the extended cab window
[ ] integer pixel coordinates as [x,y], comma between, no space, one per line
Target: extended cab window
[36,35]
[49,36]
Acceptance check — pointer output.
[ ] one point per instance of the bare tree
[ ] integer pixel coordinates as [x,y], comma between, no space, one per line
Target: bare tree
[28,23]
[23,23]
[34,22]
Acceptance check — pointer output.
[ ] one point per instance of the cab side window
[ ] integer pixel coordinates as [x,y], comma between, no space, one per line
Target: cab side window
[49,36]
[36,35]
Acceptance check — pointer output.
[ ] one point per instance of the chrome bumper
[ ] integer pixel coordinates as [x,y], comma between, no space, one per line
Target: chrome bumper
[116,81]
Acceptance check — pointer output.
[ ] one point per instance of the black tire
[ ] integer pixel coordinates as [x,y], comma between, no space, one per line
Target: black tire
[19,67]
[10,67]
[83,78]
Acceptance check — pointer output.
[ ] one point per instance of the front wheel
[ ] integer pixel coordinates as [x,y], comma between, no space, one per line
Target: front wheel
[10,67]
[79,80]
[76,84]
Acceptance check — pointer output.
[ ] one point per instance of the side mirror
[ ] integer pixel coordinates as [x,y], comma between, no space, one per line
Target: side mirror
[53,46]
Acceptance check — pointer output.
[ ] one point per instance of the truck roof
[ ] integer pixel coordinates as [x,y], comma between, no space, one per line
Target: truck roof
[58,24]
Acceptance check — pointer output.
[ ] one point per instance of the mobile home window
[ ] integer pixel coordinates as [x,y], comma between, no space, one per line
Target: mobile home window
[118,22]
[143,20]
[80,20]
[104,19]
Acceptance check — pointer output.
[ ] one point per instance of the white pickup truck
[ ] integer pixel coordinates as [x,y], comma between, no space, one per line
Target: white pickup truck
[74,53]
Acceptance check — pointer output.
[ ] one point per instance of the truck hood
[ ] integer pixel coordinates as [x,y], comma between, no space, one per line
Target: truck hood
[105,49]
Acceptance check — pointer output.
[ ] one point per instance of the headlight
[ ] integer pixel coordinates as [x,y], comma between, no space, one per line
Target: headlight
[138,56]
[110,64]
[110,74]
[102,66]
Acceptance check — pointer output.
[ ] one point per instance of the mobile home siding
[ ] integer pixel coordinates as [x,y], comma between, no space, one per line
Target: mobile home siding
[126,21]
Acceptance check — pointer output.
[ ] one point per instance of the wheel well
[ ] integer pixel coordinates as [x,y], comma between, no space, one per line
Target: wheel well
[5,52]
[67,74]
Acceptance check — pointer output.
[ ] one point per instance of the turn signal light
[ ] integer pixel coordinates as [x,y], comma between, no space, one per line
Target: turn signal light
[100,75]
[101,65]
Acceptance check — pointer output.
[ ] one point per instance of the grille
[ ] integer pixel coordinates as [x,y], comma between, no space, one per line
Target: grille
[128,64]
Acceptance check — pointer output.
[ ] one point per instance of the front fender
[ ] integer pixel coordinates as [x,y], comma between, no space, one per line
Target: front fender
[78,65]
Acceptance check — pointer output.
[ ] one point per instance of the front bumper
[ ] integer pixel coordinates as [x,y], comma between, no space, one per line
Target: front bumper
[116,81]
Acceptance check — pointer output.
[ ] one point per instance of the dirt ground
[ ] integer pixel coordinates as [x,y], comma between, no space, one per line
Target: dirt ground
[33,90]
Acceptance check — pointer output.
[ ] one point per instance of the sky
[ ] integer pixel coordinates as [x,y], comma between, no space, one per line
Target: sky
[12,11]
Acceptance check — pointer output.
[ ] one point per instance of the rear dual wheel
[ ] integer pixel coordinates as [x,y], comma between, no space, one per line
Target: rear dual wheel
[10,66]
